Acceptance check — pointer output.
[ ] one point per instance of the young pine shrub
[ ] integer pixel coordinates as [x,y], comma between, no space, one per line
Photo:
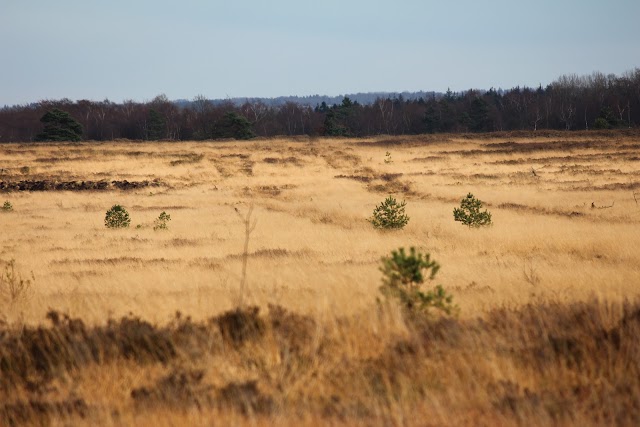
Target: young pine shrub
[117,217]
[389,214]
[403,275]
[469,213]
[7,206]
[160,223]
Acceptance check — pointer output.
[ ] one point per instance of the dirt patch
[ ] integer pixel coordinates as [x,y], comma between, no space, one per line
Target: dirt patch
[116,261]
[382,183]
[407,140]
[527,147]
[428,159]
[484,176]
[187,159]
[386,177]
[236,155]
[50,185]
[360,178]
[540,210]
[61,159]
[339,159]
[227,167]
[267,190]
[283,161]
[510,147]
[392,187]
[614,186]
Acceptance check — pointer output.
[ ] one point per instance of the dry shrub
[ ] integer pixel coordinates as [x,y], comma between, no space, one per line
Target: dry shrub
[240,325]
[36,355]
[293,333]
[547,362]
[39,412]
[245,397]
[180,388]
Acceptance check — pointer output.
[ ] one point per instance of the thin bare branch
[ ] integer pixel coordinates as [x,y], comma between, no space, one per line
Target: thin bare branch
[249,226]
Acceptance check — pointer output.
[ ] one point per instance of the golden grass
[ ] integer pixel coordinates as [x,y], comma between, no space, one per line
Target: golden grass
[314,253]
[313,248]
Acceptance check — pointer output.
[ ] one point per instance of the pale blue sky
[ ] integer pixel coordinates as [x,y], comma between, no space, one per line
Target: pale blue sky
[137,49]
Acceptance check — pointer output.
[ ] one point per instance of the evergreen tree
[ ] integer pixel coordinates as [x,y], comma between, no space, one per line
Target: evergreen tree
[322,108]
[59,126]
[336,122]
[479,115]
[606,119]
[233,125]
[432,120]
[447,116]
[449,96]
[157,128]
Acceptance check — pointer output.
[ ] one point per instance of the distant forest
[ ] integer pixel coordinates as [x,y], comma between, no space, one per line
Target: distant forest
[571,102]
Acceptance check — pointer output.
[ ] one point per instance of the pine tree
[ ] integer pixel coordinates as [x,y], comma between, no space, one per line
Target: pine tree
[432,120]
[469,213]
[389,214]
[59,126]
[233,125]
[157,128]
[479,115]
[336,122]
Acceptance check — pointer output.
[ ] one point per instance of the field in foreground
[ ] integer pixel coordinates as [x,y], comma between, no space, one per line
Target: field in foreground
[548,323]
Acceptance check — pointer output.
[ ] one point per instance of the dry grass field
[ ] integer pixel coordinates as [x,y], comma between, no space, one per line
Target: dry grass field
[548,296]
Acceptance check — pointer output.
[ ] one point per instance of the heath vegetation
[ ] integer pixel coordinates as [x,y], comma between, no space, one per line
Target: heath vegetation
[314,316]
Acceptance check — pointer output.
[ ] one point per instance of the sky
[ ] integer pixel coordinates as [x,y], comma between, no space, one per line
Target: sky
[138,49]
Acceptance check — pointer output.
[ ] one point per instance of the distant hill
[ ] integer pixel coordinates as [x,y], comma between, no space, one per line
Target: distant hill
[313,100]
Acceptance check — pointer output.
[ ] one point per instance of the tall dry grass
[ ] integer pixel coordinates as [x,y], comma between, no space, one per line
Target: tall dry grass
[544,334]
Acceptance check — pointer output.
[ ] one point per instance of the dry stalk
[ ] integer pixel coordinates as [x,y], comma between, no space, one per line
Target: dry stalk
[530,273]
[12,285]
[249,226]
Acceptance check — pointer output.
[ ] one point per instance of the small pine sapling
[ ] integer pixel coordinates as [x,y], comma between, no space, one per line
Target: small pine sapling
[117,217]
[389,214]
[160,223]
[403,275]
[469,213]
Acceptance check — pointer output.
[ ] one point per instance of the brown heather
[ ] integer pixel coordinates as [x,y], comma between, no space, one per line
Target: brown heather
[138,327]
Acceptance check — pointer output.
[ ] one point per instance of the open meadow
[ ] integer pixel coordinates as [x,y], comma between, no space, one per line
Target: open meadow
[548,320]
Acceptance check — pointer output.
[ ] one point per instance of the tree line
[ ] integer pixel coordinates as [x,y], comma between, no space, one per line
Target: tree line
[571,102]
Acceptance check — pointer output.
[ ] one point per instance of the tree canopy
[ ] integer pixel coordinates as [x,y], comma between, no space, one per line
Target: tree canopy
[59,126]
[233,125]
[571,102]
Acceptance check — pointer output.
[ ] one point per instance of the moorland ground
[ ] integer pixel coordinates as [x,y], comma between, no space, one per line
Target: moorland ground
[547,295]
